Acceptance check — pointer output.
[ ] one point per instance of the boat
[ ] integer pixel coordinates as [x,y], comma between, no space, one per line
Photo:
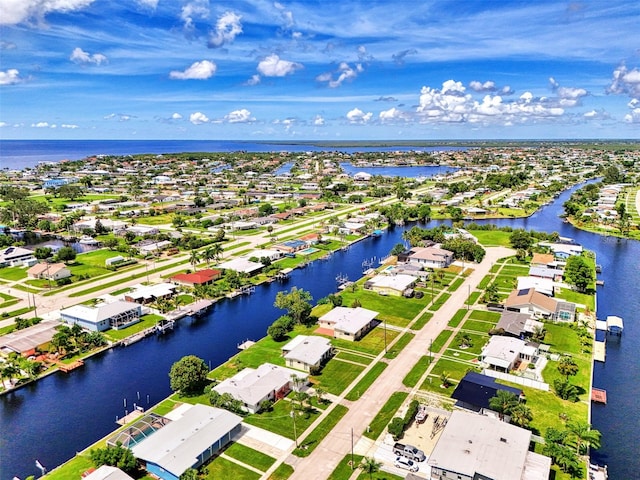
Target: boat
[87,240]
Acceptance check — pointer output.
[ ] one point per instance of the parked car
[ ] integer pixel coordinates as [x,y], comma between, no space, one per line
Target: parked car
[406,464]
[409,451]
[422,414]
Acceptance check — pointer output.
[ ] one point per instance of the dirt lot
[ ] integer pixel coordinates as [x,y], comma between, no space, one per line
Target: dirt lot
[425,435]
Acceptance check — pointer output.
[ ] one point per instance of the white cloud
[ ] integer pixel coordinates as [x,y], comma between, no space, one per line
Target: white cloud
[148,3]
[196,9]
[13,12]
[634,115]
[274,66]
[198,118]
[122,117]
[344,72]
[70,126]
[318,120]
[590,114]
[42,125]
[80,56]
[3,124]
[197,71]
[239,116]
[176,116]
[487,86]
[391,114]
[287,15]
[228,27]
[10,77]
[625,81]
[358,116]
[254,80]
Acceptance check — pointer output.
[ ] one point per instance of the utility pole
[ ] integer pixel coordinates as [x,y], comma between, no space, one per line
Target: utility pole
[385,336]
[353,466]
[295,435]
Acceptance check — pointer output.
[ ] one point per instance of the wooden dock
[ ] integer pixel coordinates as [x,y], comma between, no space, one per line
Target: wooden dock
[599,396]
[246,344]
[67,367]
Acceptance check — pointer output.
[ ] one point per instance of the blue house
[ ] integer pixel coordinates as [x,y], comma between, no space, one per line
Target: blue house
[188,441]
[55,182]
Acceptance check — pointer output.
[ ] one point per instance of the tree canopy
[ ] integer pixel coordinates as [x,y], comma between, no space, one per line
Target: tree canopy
[578,272]
[297,303]
[188,375]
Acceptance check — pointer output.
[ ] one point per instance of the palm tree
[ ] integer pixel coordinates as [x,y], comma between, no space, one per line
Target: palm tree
[209,254]
[445,379]
[582,433]
[567,367]
[194,259]
[319,393]
[503,402]
[217,250]
[370,465]
[521,415]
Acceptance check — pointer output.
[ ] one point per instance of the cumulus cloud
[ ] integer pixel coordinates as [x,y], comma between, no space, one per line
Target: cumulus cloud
[487,86]
[567,96]
[3,124]
[197,71]
[344,72]
[80,56]
[121,117]
[625,81]
[228,27]
[357,116]
[13,12]
[198,118]
[634,115]
[287,15]
[70,126]
[390,115]
[363,55]
[10,77]
[43,125]
[399,57]
[274,66]
[318,120]
[176,116]
[239,116]
[254,80]
[192,11]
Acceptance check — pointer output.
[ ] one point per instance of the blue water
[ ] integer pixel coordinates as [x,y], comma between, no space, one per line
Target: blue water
[19,154]
[387,171]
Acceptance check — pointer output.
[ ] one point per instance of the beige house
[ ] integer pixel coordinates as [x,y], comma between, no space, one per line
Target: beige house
[49,271]
[306,352]
[347,323]
[394,285]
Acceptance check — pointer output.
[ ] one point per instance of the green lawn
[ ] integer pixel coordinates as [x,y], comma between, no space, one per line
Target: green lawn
[478,326]
[393,351]
[384,416]
[250,456]
[223,468]
[422,321]
[455,370]
[372,343]
[279,420]
[492,238]
[456,284]
[492,317]
[336,376]
[13,274]
[411,380]
[576,297]
[353,357]
[457,353]
[283,472]
[366,381]
[478,341]
[457,318]
[440,340]
[320,432]
[146,321]
[397,311]
[439,301]
[484,283]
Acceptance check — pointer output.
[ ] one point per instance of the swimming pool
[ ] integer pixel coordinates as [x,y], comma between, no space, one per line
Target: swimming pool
[308,251]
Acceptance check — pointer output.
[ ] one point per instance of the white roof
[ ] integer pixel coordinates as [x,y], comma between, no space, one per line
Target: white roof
[613,321]
[542,285]
[107,472]
[149,291]
[101,312]
[502,351]
[308,349]
[398,282]
[349,320]
[241,265]
[473,444]
[252,385]
[176,446]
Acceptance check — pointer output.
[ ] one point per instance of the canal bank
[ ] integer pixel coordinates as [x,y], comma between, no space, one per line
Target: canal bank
[34,426]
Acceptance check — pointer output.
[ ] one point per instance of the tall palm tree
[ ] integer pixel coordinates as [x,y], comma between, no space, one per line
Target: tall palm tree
[217,250]
[370,465]
[582,434]
[194,259]
[209,254]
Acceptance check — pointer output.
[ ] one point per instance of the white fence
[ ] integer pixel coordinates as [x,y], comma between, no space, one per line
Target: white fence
[527,382]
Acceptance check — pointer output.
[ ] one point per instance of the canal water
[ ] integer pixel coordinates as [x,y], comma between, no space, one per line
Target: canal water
[61,414]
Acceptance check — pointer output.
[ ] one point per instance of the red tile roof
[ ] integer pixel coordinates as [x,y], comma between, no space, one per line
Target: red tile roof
[198,278]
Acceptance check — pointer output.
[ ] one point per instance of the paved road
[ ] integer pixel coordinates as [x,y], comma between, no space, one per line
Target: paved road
[337,444]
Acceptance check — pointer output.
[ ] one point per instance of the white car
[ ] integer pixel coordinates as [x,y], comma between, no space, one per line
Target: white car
[405,463]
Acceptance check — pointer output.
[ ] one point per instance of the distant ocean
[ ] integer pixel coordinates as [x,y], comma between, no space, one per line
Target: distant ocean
[19,154]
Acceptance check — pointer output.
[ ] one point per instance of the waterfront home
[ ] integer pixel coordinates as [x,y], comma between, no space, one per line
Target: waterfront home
[395,285]
[427,257]
[542,259]
[116,315]
[49,271]
[150,293]
[16,256]
[554,274]
[531,301]
[347,323]
[28,341]
[260,253]
[475,390]
[253,386]
[106,472]
[307,353]
[474,446]
[107,224]
[362,177]
[504,354]
[542,285]
[291,246]
[242,265]
[188,441]
[201,277]
[516,324]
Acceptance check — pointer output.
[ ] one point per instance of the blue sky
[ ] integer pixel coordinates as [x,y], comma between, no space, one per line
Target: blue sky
[319,70]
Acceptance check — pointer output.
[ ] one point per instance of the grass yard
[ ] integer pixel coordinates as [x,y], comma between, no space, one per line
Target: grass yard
[13,274]
[372,343]
[484,283]
[505,281]
[456,284]
[250,456]
[397,311]
[464,355]
[478,326]
[416,372]
[223,468]
[485,315]
[439,301]
[146,321]
[440,340]
[422,321]
[455,370]
[492,238]
[576,297]
[353,357]
[344,470]
[384,416]
[322,430]
[562,338]
[477,340]
[283,472]
[279,420]
[457,318]
[74,468]
[336,376]
[393,351]
[473,298]
[366,381]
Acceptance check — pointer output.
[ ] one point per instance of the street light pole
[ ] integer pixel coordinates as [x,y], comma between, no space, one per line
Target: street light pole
[295,435]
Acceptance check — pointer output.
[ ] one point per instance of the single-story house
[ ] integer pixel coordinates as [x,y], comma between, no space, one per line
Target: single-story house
[27,340]
[306,352]
[542,259]
[394,285]
[348,323]
[16,256]
[362,177]
[150,293]
[146,247]
[116,315]
[201,277]
[143,230]
[542,285]
[352,228]
[531,301]
[291,246]
[475,390]
[272,255]
[188,441]
[506,353]
[516,324]
[242,265]
[427,257]
[252,386]
[49,271]
[473,446]
[544,272]
[310,239]
[106,472]
[107,224]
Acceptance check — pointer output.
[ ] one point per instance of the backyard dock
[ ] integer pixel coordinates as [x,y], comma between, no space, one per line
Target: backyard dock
[246,344]
[67,367]
[598,395]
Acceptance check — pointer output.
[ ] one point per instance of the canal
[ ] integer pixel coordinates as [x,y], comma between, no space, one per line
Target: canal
[61,414]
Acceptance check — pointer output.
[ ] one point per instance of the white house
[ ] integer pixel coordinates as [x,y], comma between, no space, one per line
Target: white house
[114,315]
[242,265]
[427,257]
[14,256]
[306,352]
[394,285]
[505,353]
[49,271]
[348,323]
[251,386]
